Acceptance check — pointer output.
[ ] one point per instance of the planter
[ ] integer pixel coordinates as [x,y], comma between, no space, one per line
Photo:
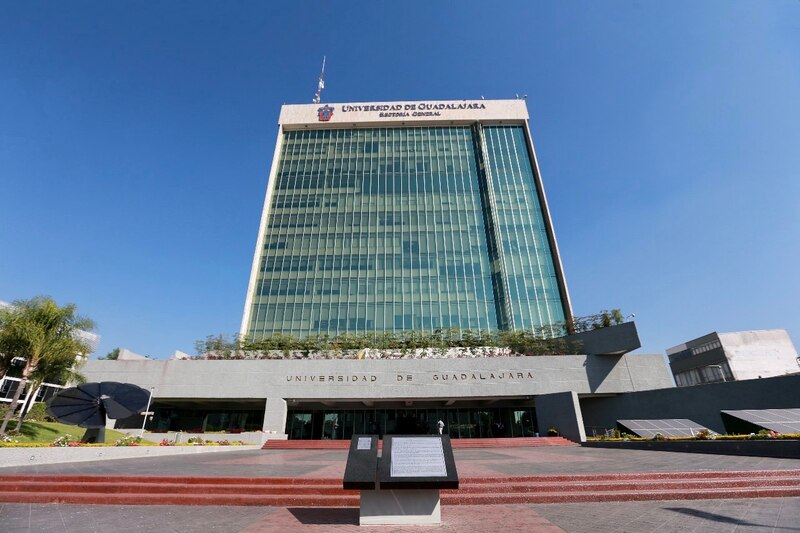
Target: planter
[787,449]
[43,456]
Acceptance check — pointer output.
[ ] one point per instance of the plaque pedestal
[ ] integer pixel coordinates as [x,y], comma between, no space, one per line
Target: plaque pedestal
[400,507]
[402,487]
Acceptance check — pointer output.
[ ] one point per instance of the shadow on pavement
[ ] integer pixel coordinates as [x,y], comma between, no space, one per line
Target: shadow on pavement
[722,518]
[325,515]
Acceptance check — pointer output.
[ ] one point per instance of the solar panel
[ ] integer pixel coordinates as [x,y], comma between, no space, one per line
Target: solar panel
[780,420]
[672,427]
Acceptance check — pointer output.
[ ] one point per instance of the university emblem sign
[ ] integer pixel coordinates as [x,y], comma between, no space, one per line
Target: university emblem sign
[325,113]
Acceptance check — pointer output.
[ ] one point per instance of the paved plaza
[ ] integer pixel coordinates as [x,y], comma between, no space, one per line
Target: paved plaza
[470,463]
[729,515]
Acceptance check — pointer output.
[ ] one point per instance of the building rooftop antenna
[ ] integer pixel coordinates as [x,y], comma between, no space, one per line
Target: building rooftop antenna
[321,84]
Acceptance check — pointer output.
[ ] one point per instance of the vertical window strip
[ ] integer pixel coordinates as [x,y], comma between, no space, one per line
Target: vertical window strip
[502,193]
[495,191]
[306,278]
[528,267]
[533,214]
[469,306]
[513,222]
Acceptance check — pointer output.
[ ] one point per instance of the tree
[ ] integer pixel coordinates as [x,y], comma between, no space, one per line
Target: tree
[42,334]
[113,355]
[61,370]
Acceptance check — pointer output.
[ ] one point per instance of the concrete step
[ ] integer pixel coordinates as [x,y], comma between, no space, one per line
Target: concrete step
[618,496]
[467,487]
[457,443]
[477,480]
[90,498]
[617,476]
[162,490]
[109,487]
[353,500]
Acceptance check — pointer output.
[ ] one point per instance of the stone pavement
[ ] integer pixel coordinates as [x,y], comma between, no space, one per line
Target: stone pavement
[781,515]
[470,462]
[708,516]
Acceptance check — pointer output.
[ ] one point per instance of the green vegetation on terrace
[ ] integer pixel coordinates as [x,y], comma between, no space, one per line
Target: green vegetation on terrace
[47,432]
[544,340]
[764,434]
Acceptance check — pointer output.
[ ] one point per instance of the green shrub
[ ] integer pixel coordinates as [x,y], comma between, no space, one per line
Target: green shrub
[38,413]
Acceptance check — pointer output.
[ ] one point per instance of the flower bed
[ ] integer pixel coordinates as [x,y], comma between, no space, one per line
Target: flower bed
[703,435]
[784,446]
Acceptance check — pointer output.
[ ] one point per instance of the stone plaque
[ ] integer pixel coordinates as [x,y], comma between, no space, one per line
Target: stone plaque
[364,443]
[417,457]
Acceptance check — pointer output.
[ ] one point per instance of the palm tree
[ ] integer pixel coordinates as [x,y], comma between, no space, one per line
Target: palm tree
[53,370]
[41,333]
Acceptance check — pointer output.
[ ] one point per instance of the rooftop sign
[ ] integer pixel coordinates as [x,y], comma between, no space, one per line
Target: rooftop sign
[381,113]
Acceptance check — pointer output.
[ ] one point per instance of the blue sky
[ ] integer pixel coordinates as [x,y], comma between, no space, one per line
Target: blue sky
[136,138]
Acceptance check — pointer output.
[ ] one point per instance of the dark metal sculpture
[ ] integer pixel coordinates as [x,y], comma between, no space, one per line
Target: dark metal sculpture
[88,405]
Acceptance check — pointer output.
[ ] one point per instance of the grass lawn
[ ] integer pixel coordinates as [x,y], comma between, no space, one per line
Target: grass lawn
[49,431]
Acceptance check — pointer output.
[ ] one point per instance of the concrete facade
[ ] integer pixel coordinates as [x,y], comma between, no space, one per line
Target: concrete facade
[760,354]
[700,403]
[613,340]
[561,411]
[278,383]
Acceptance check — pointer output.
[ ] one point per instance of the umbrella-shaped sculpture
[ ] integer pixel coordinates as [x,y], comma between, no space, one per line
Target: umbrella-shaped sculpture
[89,404]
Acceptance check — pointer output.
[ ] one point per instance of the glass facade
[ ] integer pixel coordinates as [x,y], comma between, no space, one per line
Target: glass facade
[394,229]
[201,419]
[463,423]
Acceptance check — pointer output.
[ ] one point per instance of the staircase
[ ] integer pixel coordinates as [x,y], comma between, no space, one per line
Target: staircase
[457,443]
[319,492]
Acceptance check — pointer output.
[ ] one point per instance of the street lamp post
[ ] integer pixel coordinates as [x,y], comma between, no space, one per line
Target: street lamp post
[146,411]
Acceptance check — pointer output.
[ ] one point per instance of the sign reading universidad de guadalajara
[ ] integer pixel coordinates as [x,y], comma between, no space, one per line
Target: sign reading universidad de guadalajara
[417,109]
[420,109]
[356,113]
[496,376]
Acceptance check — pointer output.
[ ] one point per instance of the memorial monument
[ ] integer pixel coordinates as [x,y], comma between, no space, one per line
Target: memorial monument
[402,486]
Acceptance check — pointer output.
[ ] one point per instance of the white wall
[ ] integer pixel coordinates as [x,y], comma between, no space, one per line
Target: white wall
[760,354]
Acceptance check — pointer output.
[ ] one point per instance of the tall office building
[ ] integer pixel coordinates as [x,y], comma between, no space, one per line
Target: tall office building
[404,216]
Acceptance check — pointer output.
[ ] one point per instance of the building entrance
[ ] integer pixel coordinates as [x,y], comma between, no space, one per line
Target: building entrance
[460,423]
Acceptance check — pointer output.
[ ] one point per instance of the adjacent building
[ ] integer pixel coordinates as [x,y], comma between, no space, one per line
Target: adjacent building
[736,356]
